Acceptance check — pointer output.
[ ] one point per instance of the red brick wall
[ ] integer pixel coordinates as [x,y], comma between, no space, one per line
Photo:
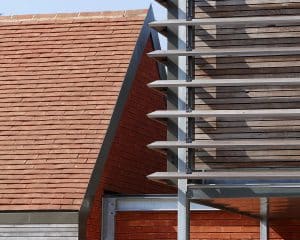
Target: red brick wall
[210,225]
[130,161]
[287,229]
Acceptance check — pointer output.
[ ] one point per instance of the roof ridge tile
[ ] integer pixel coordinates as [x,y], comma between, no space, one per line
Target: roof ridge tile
[74,16]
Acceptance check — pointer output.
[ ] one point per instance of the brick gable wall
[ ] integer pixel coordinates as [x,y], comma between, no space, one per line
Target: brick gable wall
[130,161]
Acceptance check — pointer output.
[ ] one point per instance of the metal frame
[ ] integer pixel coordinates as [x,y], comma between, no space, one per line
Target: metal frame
[162,26]
[264,223]
[225,82]
[179,31]
[108,218]
[112,204]
[214,191]
[238,175]
[266,113]
[229,144]
[183,204]
[162,55]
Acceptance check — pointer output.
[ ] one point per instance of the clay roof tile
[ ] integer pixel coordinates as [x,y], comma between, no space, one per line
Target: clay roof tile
[60,76]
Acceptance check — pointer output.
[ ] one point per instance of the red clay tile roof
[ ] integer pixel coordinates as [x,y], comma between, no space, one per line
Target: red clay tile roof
[60,76]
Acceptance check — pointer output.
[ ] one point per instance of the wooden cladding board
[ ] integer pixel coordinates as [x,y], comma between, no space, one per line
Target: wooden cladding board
[39,232]
[254,97]
[243,8]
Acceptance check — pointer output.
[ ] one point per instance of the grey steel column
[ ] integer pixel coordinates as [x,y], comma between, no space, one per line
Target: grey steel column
[177,127]
[183,201]
[264,223]
[108,218]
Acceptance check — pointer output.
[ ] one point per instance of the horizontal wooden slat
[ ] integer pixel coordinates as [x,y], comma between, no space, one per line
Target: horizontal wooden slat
[200,3]
[250,91]
[210,123]
[244,133]
[217,9]
[39,231]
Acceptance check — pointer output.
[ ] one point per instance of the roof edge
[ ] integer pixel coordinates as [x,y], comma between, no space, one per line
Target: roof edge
[114,123]
[75,16]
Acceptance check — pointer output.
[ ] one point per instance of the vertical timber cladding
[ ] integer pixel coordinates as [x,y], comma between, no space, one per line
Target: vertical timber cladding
[255,97]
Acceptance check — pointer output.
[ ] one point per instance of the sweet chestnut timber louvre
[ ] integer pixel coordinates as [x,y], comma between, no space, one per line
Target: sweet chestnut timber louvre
[233,93]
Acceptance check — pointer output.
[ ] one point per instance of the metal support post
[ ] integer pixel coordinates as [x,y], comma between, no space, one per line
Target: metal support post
[264,223]
[183,232]
[108,218]
[190,10]
[190,91]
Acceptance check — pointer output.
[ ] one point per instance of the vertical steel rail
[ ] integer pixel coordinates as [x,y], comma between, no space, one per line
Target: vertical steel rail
[183,232]
[190,90]
[264,223]
[108,218]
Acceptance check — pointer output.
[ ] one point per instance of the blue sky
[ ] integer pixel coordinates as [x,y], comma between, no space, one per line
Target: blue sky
[13,7]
